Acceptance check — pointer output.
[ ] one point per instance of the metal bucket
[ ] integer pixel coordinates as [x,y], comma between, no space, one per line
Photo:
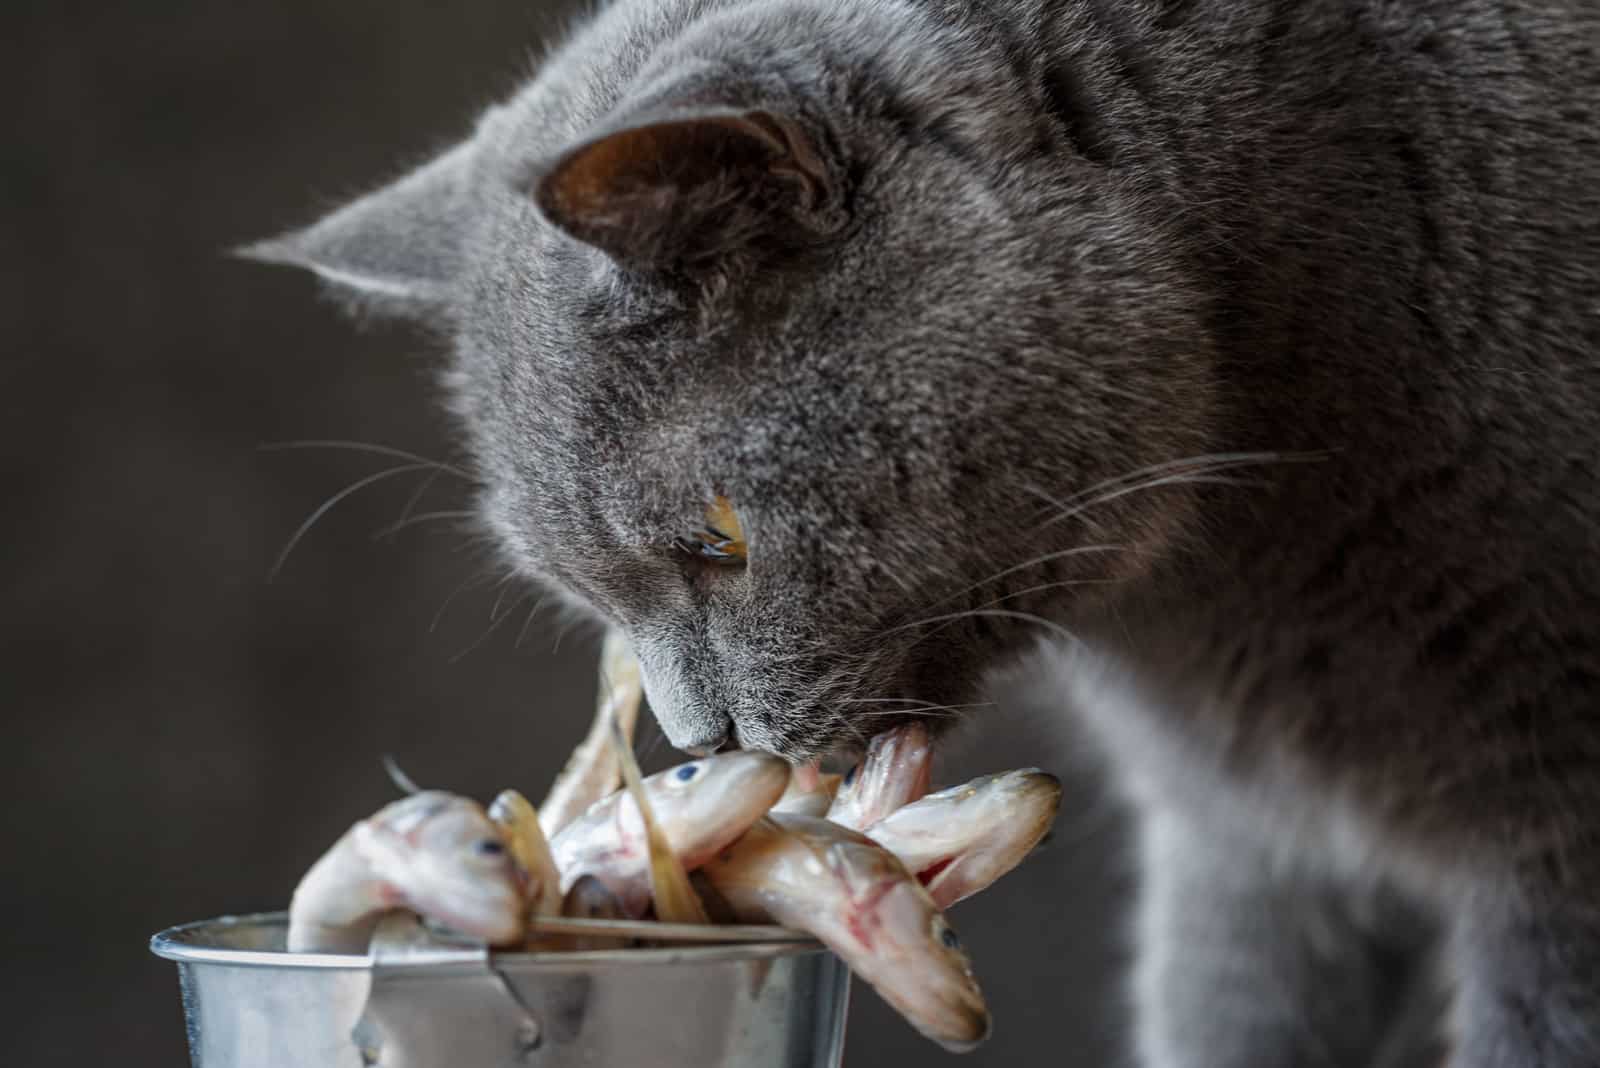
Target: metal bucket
[418,1004]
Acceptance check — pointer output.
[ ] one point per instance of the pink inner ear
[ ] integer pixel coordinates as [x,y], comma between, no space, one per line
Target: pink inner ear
[675,155]
[688,188]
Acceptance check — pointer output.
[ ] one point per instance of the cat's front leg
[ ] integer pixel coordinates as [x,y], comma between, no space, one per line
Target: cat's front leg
[1528,981]
[1243,966]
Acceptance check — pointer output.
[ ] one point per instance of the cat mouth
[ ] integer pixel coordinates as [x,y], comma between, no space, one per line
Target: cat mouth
[838,748]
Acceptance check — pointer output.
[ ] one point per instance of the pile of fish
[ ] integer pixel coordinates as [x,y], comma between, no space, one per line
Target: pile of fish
[865,862]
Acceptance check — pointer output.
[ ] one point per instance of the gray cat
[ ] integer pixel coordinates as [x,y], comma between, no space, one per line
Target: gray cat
[1239,360]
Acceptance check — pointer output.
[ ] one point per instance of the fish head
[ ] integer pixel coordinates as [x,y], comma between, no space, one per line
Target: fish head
[442,856]
[706,803]
[959,840]
[895,771]
[918,964]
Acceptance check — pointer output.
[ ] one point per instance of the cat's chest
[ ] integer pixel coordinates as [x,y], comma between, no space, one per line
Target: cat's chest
[1176,747]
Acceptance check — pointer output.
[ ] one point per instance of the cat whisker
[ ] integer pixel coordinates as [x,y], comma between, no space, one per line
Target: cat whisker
[998,613]
[465,584]
[505,587]
[327,505]
[533,613]
[1161,467]
[425,517]
[1201,469]
[494,625]
[1037,561]
[904,713]
[367,447]
[1181,479]
[417,494]
[658,738]
[919,706]
[883,701]
[836,718]
[947,619]
[572,621]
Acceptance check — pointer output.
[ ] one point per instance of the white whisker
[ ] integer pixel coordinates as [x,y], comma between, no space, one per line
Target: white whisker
[425,517]
[1029,617]
[355,487]
[362,446]
[1046,558]
[461,587]
[494,625]
[533,613]
[1202,469]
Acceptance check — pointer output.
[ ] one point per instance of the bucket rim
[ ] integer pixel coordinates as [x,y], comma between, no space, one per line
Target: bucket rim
[182,944]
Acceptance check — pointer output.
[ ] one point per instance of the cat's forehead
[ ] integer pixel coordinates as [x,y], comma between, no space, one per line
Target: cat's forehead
[582,80]
[839,55]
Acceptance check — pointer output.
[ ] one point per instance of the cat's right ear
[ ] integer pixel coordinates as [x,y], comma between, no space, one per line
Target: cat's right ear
[395,251]
[680,188]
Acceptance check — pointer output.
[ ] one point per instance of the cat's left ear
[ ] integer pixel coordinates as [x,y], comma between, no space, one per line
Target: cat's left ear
[676,189]
[397,250]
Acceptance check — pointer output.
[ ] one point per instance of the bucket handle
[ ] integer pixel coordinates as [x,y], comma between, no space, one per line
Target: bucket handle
[434,1002]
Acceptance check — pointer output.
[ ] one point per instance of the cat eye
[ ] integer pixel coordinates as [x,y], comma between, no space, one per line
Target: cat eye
[721,541]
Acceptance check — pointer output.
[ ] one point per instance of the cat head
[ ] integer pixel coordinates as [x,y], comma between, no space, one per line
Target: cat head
[835,265]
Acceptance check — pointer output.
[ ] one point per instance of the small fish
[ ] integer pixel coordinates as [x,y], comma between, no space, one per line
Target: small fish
[701,807]
[810,793]
[592,771]
[895,771]
[675,899]
[960,840]
[590,900]
[861,902]
[519,821]
[433,853]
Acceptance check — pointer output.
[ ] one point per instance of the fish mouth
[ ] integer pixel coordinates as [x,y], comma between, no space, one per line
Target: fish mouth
[934,989]
[962,1021]
[492,918]
[971,1028]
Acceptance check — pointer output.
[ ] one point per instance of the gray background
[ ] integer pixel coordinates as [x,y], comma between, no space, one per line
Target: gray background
[191,735]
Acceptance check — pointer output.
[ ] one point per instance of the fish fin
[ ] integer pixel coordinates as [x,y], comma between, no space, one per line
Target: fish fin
[397,775]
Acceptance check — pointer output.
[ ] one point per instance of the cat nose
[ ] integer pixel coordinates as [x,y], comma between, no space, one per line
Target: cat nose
[709,746]
[698,736]
[692,723]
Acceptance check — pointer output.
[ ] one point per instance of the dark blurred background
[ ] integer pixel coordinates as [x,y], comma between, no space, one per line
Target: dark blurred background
[194,733]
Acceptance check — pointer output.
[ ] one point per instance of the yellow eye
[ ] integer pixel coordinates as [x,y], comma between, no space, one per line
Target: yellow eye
[722,540]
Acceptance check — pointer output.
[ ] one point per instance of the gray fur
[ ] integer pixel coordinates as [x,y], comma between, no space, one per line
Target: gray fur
[1248,350]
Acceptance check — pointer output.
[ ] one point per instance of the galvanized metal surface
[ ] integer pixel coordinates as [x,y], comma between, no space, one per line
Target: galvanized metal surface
[416,1003]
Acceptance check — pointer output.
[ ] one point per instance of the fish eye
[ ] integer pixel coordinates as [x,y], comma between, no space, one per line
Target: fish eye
[489,847]
[687,772]
[949,937]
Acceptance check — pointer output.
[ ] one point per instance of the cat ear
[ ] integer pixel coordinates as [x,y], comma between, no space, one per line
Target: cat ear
[396,250]
[684,188]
